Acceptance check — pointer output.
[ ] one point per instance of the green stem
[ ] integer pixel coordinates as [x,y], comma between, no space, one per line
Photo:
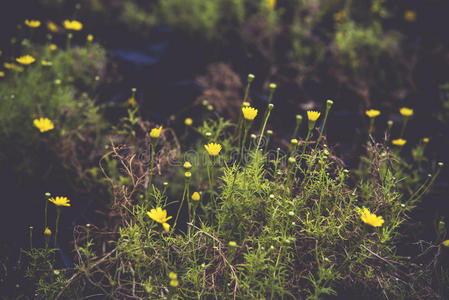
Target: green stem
[243,144]
[186,188]
[305,144]
[322,129]
[31,237]
[404,124]
[270,107]
[153,146]
[58,215]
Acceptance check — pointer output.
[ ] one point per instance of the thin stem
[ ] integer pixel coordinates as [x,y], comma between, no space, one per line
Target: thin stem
[270,107]
[45,214]
[31,237]
[186,188]
[322,129]
[404,124]
[243,144]
[58,215]
[153,146]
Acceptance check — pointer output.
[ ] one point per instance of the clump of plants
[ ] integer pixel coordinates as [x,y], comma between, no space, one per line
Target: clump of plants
[219,211]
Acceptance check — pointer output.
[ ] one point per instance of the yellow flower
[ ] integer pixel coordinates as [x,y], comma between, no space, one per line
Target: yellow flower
[249,113]
[196,196]
[60,201]
[73,25]
[370,218]
[159,215]
[13,66]
[406,112]
[232,244]
[425,140]
[46,63]
[2,74]
[52,26]
[32,23]
[90,37]
[53,47]
[43,124]
[174,283]
[188,121]
[26,60]
[47,231]
[313,115]
[166,227]
[132,102]
[213,149]
[271,4]
[410,15]
[372,113]
[187,165]
[1,52]
[446,243]
[399,142]
[172,275]
[156,132]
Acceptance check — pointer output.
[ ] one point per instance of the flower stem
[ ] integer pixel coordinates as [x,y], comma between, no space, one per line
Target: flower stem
[186,188]
[58,215]
[153,146]
[270,107]
[404,124]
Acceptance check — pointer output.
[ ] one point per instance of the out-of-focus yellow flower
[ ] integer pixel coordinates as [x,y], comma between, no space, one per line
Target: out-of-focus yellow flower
[60,201]
[166,227]
[232,244]
[43,124]
[53,47]
[406,112]
[90,38]
[249,113]
[174,283]
[313,115]
[446,243]
[425,140]
[155,132]
[172,275]
[370,218]
[26,60]
[410,15]
[46,63]
[372,113]
[399,142]
[188,121]
[2,74]
[340,16]
[47,231]
[12,66]
[73,25]
[52,26]
[1,52]
[32,23]
[187,165]
[196,196]
[213,149]
[271,4]
[159,215]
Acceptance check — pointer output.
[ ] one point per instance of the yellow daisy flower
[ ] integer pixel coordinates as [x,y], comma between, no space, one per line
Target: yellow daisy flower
[213,149]
[313,115]
[26,60]
[196,196]
[188,121]
[53,47]
[399,142]
[406,112]
[43,124]
[47,231]
[156,132]
[159,215]
[90,38]
[60,201]
[372,113]
[249,113]
[32,23]
[370,218]
[425,140]
[73,25]
[52,26]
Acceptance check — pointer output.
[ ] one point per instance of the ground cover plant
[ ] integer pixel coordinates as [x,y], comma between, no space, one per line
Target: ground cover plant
[217,201]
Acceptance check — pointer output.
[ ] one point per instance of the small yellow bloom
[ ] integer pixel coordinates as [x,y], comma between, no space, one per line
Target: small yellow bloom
[52,26]
[156,132]
[313,115]
[73,25]
[249,113]
[159,215]
[47,231]
[26,60]
[53,47]
[372,113]
[1,52]
[43,124]
[232,244]
[32,23]
[166,227]
[399,142]
[271,4]
[188,121]
[172,275]
[2,74]
[406,112]
[446,243]
[46,63]
[187,165]
[370,218]
[425,140]
[187,175]
[196,196]
[90,37]
[213,149]
[174,283]
[410,15]
[12,66]
[60,201]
